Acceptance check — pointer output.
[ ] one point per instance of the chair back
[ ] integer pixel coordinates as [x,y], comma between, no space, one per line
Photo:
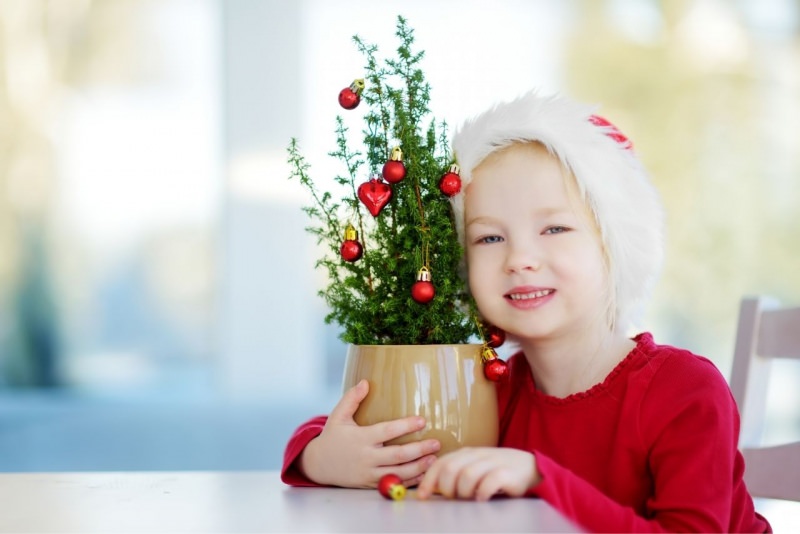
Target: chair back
[766,331]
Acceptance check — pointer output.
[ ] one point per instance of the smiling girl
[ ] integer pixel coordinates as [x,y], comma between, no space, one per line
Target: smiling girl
[563,240]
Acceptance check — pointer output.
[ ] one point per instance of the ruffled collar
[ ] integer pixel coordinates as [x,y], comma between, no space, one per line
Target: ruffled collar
[642,340]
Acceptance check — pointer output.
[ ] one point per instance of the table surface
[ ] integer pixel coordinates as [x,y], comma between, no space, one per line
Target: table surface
[242,501]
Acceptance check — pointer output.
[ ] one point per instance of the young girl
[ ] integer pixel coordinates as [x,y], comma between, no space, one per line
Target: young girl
[562,233]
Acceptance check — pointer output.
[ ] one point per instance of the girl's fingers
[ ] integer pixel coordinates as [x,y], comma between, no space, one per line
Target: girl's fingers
[411,482]
[469,473]
[480,473]
[469,478]
[454,473]
[443,475]
[389,430]
[428,484]
[392,455]
[412,472]
[349,403]
[490,485]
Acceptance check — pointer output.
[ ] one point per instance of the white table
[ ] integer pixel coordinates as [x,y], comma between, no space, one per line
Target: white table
[242,501]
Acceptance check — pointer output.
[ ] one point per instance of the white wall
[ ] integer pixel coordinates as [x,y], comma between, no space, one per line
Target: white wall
[270,323]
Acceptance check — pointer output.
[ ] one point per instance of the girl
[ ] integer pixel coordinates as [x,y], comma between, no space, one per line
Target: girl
[562,234]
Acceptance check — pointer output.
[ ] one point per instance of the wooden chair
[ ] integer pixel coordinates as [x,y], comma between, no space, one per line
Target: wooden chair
[765,332]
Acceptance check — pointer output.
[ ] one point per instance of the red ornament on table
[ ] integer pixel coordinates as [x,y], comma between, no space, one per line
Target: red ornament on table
[350,97]
[394,170]
[351,249]
[494,368]
[423,291]
[374,194]
[450,183]
[391,487]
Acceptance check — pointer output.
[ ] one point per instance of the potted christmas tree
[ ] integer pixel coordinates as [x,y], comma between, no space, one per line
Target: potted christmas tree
[393,258]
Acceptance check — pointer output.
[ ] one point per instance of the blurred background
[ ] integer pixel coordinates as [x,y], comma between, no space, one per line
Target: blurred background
[158,303]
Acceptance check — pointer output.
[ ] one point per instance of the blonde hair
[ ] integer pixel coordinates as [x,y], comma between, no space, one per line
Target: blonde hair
[609,177]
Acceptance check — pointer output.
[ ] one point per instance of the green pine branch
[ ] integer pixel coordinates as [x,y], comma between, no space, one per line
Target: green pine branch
[370,298]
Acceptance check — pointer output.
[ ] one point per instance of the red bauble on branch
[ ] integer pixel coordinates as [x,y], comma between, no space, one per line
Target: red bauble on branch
[450,183]
[494,368]
[423,291]
[394,170]
[351,249]
[374,194]
[495,336]
[350,97]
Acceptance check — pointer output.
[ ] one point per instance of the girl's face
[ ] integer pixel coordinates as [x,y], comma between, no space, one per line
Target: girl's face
[535,261]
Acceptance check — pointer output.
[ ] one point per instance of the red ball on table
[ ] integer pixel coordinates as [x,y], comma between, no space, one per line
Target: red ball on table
[391,487]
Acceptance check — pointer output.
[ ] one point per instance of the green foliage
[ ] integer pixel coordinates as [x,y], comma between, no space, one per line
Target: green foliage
[371,298]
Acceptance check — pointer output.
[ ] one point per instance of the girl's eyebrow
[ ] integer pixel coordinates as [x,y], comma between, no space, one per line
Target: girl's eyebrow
[481,220]
[543,213]
[551,211]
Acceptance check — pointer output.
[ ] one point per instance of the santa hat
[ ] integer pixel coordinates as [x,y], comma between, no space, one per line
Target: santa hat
[609,176]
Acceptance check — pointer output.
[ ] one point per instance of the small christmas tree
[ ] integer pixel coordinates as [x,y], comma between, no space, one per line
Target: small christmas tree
[392,254]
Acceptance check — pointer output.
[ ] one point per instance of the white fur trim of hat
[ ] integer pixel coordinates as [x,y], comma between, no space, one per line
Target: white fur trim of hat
[617,189]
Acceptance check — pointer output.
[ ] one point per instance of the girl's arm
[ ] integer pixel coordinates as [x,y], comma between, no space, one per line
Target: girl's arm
[689,430]
[336,451]
[290,472]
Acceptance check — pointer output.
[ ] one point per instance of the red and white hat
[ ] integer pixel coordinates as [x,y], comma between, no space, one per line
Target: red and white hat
[609,176]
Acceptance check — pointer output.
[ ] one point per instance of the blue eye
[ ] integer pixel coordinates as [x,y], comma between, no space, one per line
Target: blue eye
[556,230]
[489,239]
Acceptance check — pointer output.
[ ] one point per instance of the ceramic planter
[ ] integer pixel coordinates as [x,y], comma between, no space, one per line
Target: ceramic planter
[443,383]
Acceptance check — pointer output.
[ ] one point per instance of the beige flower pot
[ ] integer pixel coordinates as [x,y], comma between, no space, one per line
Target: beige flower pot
[443,383]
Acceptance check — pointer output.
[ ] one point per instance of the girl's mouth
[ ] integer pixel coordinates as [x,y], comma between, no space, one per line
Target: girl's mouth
[530,295]
[527,298]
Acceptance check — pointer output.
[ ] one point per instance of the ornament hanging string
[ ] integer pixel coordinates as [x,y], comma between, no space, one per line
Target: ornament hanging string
[418,193]
[424,230]
[479,326]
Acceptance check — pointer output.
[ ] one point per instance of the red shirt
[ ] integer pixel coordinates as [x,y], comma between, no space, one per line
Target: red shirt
[652,448]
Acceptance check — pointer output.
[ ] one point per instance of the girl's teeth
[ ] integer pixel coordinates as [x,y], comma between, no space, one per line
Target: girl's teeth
[531,295]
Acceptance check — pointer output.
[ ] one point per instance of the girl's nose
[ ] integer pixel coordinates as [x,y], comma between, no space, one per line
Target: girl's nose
[521,259]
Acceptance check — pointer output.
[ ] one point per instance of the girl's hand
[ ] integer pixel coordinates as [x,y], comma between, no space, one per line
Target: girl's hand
[353,456]
[480,473]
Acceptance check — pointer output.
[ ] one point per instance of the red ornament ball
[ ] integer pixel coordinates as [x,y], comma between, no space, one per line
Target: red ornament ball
[495,337]
[495,369]
[423,291]
[351,250]
[391,487]
[348,98]
[394,171]
[450,184]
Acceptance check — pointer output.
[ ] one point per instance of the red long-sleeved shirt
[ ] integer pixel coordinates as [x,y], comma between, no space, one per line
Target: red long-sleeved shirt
[652,448]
